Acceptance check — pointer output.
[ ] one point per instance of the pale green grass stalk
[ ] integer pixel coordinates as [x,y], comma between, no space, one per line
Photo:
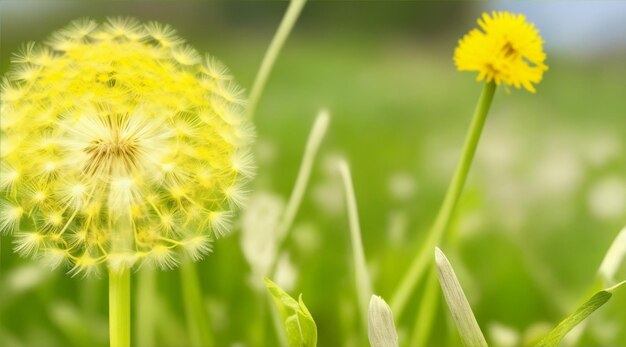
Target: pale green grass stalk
[119,307]
[426,312]
[466,323]
[304,173]
[195,311]
[302,180]
[423,258]
[147,304]
[613,259]
[363,284]
[292,14]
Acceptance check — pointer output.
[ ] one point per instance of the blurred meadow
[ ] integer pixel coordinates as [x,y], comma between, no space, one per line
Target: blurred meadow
[544,200]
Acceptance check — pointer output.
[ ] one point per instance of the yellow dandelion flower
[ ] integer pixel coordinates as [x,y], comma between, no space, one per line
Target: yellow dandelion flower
[508,50]
[120,144]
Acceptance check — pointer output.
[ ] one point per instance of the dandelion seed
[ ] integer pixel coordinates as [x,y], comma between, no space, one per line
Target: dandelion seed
[27,244]
[162,257]
[197,246]
[117,150]
[507,50]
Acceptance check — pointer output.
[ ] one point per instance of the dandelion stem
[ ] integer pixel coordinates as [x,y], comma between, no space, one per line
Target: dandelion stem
[423,258]
[119,307]
[197,319]
[293,11]
[363,284]
[287,218]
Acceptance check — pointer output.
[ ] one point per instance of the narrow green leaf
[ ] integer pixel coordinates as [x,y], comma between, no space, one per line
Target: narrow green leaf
[582,312]
[381,327]
[299,324]
[457,303]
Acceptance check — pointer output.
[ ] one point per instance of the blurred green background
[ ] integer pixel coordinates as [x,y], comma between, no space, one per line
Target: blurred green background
[546,195]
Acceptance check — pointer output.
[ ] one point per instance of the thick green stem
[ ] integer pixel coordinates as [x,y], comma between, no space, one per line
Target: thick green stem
[197,318]
[293,11]
[119,307]
[424,257]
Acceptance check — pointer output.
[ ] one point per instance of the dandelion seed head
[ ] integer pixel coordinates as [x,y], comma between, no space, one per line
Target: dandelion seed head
[120,144]
[506,49]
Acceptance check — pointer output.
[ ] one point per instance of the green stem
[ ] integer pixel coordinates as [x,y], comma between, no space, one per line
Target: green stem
[424,257]
[293,11]
[119,307]
[302,180]
[197,318]
[426,312]
[363,284]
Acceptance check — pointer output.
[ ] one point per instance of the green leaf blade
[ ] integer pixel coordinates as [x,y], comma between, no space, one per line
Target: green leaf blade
[466,323]
[580,314]
[381,327]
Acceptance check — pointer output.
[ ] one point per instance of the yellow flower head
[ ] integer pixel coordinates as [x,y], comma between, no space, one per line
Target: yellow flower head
[507,50]
[119,143]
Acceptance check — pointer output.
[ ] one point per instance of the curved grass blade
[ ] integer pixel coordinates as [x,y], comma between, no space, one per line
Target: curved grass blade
[457,303]
[582,312]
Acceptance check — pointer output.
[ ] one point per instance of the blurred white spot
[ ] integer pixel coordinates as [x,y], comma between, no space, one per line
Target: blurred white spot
[601,149]
[558,172]
[499,148]
[307,237]
[535,332]
[286,273]
[258,239]
[471,223]
[402,186]
[266,152]
[607,198]
[26,277]
[397,226]
[328,196]
[503,335]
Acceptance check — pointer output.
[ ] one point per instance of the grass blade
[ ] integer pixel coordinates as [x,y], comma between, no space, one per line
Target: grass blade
[457,302]
[582,312]
[381,328]
[363,284]
[302,180]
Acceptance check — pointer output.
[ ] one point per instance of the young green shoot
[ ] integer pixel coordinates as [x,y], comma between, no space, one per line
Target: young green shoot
[298,322]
